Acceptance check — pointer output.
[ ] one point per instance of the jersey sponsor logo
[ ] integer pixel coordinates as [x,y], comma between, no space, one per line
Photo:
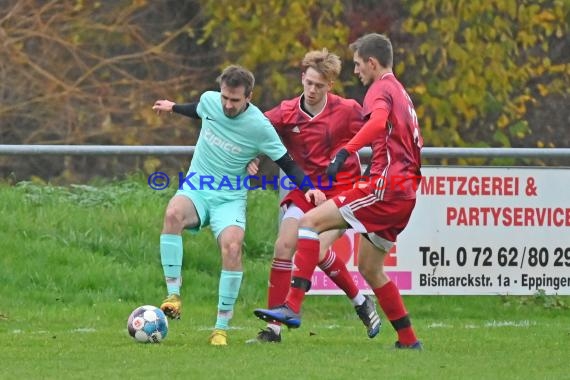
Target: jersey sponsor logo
[210,118]
[296,129]
[341,198]
[215,140]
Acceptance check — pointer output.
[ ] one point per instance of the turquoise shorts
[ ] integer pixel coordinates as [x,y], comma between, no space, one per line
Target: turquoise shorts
[215,210]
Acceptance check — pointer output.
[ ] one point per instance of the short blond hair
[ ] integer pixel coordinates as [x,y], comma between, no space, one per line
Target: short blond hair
[325,63]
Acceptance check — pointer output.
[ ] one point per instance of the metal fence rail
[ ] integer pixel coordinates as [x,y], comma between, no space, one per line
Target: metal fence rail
[162,150]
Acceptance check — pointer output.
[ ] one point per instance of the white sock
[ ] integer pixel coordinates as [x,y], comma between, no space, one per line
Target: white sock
[358,300]
[276,328]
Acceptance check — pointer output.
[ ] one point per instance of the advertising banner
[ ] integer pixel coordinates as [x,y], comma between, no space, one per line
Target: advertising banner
[477,230]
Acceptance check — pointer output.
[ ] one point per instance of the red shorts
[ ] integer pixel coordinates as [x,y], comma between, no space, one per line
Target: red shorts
[367,214]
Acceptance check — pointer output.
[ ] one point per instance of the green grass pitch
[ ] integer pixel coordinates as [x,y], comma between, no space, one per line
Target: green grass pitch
[75,261]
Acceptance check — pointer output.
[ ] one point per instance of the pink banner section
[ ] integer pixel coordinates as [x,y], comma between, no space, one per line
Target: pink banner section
[321,282]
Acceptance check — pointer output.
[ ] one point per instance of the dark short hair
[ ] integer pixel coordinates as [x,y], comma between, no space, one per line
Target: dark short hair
[376,46]
[236,76]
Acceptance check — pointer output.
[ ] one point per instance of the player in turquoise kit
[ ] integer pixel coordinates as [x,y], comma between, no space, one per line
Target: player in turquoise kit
[214,193]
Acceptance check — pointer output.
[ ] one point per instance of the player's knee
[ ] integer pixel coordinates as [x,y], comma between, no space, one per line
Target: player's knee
[368,271]
[231,254]
[307,221]
[174,219]
[232,248]
[284,249]
[374,275]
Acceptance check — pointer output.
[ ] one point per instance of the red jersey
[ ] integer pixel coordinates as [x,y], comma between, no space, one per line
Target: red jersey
[396,159]
[313,141]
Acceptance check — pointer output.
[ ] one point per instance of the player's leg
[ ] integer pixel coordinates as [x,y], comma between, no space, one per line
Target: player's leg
[295,206]
[180,214]
[280,272]
[335,268]
[228,225]
[281,266]
[371,266]
[323,218]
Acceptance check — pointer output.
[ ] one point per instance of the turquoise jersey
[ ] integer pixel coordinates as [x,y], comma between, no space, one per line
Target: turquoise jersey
[226,145]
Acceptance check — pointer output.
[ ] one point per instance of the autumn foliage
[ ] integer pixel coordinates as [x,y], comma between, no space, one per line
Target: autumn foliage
[481,72]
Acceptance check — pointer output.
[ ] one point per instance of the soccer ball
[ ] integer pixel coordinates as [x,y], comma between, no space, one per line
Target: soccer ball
[147,324]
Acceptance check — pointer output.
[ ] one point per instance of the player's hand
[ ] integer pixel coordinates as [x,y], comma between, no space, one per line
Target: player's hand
[253,166]
[336,163]
[315,196]
[163,106]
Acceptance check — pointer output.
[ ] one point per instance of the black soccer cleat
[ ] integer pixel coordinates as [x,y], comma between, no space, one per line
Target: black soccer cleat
[416,346]
[369,316]
[266,335]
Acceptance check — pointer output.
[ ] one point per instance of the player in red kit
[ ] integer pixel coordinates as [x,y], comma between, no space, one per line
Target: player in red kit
[314,127]
[379,210]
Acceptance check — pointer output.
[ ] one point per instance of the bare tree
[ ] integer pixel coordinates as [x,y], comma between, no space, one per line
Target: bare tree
[87,73]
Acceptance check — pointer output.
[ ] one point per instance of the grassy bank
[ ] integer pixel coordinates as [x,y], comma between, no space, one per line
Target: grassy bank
[74,262]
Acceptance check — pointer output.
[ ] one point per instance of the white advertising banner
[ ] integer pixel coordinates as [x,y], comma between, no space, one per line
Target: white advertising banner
[477,230]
